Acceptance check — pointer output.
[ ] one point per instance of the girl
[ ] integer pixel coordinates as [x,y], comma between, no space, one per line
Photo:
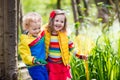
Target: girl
[32,47]
[58,47]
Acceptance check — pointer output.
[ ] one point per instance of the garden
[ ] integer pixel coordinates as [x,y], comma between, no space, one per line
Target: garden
[95,30]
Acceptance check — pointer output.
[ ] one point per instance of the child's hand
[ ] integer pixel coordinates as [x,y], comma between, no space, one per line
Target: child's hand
[39,61]
[85,57]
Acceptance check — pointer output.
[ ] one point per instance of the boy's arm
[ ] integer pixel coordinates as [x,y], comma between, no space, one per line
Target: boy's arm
[25,53]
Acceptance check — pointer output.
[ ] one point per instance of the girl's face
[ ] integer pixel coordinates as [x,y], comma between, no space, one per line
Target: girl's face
[34,28]
[59,22]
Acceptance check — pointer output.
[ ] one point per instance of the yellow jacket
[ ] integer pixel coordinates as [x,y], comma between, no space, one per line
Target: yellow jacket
[24,49]
[63,42]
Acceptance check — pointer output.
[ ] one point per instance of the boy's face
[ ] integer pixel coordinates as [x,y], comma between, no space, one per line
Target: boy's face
[34,28]
[59,22]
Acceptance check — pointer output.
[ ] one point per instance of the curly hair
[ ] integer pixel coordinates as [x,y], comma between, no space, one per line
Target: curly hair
[30,17]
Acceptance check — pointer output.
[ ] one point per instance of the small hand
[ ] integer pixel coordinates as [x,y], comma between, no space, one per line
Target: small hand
[85,57]
[39,61]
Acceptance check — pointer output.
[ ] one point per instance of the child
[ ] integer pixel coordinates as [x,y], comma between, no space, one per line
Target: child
[32,47]
[58,47]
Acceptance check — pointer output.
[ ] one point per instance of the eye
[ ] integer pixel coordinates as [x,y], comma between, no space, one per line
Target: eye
[56,20]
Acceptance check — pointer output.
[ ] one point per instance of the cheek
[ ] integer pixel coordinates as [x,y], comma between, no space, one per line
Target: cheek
[62,25]
[33,31]
[54,23]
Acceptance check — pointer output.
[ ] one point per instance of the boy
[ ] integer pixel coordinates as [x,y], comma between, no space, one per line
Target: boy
[32,46]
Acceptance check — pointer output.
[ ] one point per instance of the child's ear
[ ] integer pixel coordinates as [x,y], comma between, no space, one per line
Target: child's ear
[26,27]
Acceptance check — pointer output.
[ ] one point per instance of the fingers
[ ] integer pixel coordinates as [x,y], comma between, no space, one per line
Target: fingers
[40,63]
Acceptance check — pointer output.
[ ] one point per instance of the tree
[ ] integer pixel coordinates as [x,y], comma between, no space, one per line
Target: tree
[102,9]
[78,14]
[76,19]
[58,4]
[8,39]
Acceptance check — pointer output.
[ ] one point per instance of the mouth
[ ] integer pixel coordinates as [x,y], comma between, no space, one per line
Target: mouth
[57,26]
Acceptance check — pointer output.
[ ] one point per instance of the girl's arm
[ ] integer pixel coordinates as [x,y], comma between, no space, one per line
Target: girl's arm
[77,54]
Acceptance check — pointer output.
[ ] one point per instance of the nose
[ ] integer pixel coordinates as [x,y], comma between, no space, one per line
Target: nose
[58,23]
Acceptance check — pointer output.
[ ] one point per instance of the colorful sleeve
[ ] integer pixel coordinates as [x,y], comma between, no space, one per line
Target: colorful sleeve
[71,46]
[75,52]
[81,56]
[25,53]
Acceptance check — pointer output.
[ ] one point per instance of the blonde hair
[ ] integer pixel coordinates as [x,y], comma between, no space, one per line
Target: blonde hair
[30,17]
[51,20]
